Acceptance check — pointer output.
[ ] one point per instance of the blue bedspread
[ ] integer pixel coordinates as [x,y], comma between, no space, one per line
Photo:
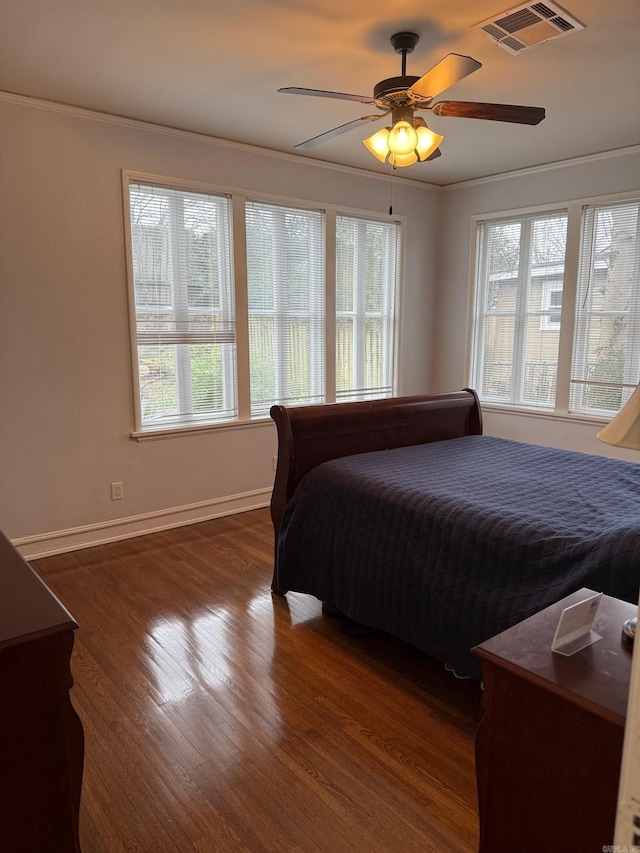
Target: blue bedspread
[444,545]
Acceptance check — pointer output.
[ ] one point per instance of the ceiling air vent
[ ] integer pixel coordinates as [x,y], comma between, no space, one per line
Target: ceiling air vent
[529,25]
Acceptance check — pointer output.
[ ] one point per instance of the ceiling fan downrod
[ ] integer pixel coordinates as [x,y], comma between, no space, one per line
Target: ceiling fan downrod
[404,43]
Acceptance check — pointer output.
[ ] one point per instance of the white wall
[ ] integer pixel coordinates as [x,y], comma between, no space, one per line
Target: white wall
[65,382]
[581,179]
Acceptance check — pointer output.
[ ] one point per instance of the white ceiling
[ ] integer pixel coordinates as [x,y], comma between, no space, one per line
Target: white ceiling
[214,67]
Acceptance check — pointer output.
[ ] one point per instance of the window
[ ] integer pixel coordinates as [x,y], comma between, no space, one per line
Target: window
[519,277]
[184,307]
[518,293]
[285,282]
[606,353]
[366,265]
[188,341]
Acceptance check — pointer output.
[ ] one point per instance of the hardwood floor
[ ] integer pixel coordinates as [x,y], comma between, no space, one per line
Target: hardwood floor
[219,717]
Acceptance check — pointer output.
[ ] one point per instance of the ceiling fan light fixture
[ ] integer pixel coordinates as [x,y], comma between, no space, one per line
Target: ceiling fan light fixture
[426,142]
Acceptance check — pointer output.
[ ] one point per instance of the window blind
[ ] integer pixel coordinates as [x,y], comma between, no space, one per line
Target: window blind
[184,306]
[606,350]
[366,282]
[285,282]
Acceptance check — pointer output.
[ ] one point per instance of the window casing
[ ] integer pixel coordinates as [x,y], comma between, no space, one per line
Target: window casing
[298,287]
[585,362]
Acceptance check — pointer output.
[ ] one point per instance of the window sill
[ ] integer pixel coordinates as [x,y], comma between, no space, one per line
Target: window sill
[184,431]
[545,414]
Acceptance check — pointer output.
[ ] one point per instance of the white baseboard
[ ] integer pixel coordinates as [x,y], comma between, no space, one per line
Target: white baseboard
[60,541]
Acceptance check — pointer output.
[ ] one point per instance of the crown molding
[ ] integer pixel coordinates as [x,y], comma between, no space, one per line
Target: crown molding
[544,167]
[176,132]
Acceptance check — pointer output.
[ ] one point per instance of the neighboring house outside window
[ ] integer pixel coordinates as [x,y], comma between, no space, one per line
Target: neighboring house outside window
[552,306]
[187,339]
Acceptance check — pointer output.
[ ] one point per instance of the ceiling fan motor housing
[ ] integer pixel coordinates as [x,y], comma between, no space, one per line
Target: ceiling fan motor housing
[401,114]
[393,84]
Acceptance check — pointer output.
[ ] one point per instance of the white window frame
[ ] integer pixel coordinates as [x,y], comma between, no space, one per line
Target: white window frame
[632,352]
[280,313]
[238,198]
[522,279]
[181,338]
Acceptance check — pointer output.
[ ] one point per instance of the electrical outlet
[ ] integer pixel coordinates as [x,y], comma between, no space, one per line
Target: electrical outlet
[116,492]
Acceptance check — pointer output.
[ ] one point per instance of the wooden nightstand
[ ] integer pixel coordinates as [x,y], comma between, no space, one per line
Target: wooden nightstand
[549,748]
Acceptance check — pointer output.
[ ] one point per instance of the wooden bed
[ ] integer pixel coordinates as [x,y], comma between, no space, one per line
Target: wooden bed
[460,536]
[310,435]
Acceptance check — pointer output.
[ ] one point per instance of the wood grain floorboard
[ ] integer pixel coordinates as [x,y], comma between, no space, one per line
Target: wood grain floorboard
[219,717]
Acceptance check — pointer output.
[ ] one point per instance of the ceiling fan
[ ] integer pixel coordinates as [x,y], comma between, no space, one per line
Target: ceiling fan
[408,139]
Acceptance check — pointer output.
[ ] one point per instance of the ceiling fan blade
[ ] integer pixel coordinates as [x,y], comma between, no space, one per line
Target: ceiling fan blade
[320,93]
[330,134]
[448,71]
[490,112]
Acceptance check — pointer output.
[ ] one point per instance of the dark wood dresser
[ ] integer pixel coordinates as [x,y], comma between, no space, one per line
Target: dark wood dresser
[549,748]
[41,737]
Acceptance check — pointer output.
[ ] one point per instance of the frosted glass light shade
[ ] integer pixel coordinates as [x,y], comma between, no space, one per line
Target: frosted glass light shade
[402,138]
[624,429]
[428,141]
[377,144]
[403,159]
